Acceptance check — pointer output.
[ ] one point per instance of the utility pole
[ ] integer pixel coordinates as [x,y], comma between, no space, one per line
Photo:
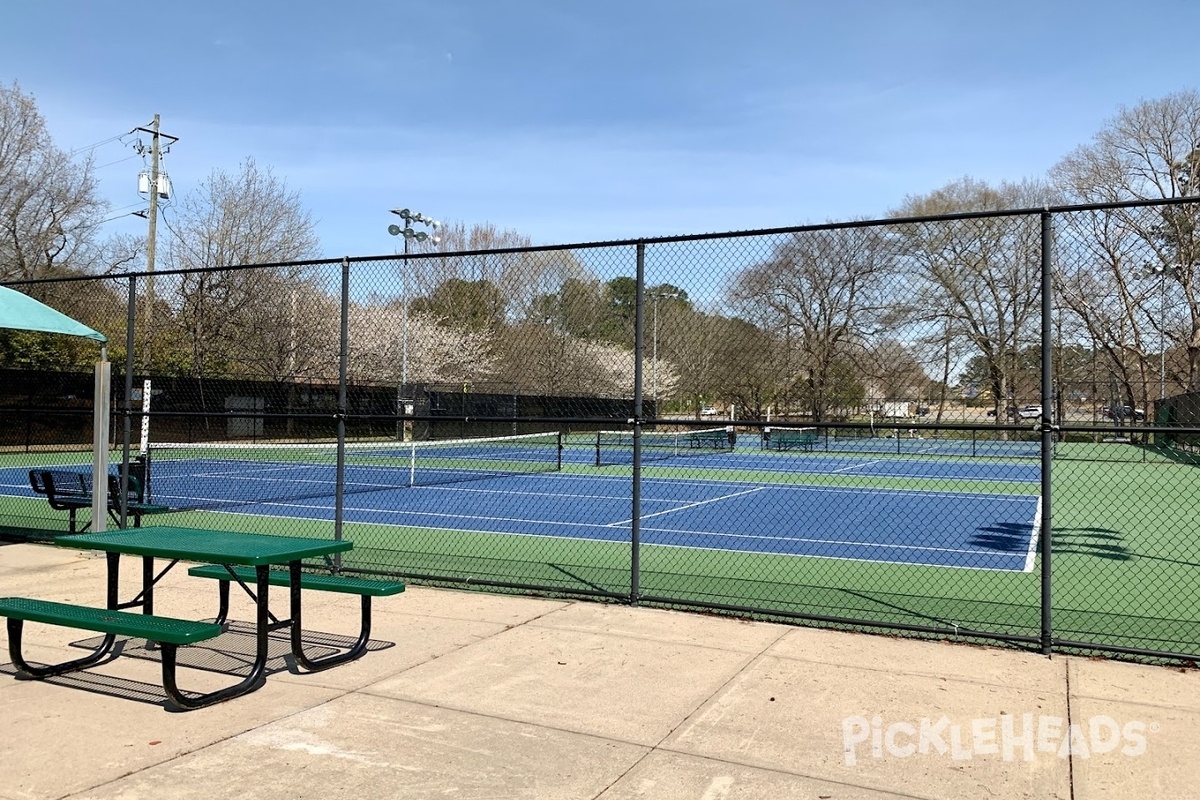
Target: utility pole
[152,217]
[155,154]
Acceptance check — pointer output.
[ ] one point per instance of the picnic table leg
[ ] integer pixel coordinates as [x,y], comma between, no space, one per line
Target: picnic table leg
[252,681]
[147,584]
[223,604]
[16,629]
[23,667]
[317,664]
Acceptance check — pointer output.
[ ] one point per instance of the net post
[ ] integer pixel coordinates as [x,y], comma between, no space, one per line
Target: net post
[412,463]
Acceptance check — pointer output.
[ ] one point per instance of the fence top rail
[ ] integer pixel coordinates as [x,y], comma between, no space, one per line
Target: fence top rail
[693,237]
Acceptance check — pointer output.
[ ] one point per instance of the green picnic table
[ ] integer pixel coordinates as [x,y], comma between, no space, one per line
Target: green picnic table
[232,551]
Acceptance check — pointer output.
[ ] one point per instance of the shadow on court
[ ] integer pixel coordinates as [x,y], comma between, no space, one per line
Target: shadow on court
[1098,542]
[1004,537]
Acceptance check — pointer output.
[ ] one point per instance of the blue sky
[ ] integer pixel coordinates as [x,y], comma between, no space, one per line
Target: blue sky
[574,121]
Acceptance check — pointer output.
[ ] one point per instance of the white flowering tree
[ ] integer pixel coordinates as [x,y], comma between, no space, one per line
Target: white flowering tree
[383,344]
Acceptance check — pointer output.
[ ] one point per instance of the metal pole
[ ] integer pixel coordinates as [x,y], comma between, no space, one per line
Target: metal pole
[1047,430]
[655,375]
[339,488]
[639,348]
[127,433]
[401,408]
[404,331]
[1162,339]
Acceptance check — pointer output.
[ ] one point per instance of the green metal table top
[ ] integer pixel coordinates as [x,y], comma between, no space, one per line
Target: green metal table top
[196,544]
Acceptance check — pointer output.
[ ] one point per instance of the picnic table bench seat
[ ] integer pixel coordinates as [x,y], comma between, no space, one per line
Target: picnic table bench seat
[246,577]
[345,584]
[168,632]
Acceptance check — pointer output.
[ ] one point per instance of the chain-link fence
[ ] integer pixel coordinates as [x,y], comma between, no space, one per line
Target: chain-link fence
[978,425]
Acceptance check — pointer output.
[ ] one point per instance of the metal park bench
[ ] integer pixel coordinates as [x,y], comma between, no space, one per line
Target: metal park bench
[789,439]
[71,491]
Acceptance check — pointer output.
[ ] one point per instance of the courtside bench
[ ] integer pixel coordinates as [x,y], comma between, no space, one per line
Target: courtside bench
[71,491]
[715,440]
[789,439]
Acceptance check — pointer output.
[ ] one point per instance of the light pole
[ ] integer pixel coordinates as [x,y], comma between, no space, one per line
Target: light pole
[1161,271]
[656,296]
[1162,337]
[408,233]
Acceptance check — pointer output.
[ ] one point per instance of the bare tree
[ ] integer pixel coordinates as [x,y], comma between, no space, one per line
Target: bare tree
[893,372]
[1149,151]
[821,295]
[517,279]
[978,276]
[232,318]
[49,207]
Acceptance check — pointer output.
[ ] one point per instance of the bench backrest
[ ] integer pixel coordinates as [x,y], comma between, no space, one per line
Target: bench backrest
[74,487]
[114,490]
[60,485]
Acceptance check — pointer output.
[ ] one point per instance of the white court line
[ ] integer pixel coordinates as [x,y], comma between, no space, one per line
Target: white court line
[624,543]
[807,488]
[1031,552]
[679,531]
[817,540]
[827,557]
[415,513]
[687,506]
[624,481]
[858,466]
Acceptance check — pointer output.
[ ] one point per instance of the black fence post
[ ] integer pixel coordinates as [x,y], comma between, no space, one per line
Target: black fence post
[127,428]
[1047,429]
[639,343]
[339,499]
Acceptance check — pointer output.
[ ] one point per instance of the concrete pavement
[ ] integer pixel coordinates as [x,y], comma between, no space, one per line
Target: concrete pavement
[494,696]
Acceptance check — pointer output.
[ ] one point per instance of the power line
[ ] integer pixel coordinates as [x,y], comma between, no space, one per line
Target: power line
[118,161]
[79,150]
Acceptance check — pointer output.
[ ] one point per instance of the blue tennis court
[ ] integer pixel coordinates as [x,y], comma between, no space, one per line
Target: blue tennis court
[961,529]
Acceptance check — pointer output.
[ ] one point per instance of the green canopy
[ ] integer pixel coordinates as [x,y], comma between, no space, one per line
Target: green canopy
[23,313]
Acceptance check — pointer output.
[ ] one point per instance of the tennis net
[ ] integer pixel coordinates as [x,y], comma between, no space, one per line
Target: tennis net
[616,447]
[216,474]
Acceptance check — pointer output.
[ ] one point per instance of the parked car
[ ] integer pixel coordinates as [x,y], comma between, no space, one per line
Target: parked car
[708,411]
[1124,412]
[1029,412]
